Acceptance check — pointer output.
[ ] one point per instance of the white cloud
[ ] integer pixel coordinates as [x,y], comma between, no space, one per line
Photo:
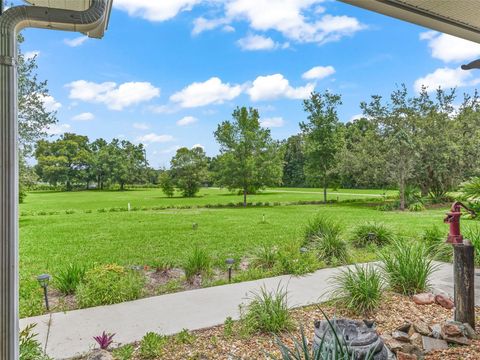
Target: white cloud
[212,91]
[257,42]
[115,97]
[276,86]
[86,116]
[319,72]
[154,138]
[202,24]
[141,126]
[50,103]
[57,129]
[356,117]
[155,10]
[272,122]
[449,48]
[187,120]
[198,146]
[75,41]
[445,78]
[169,150]
[31,54]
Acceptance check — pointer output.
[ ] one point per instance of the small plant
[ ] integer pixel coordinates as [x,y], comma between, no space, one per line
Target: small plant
[371,233]
[416,207]
[151,346]
[319,227]
[359,289]
[267,312]
[198,263]
[123,353]
[109,284]
[291,260]
[228,327]
[30,348]
[104,341]
[67,279]
[70,212]
[332,249]
[163,266]
[264,257]
[407,267]
[185,337]
[434,239]
[169,287]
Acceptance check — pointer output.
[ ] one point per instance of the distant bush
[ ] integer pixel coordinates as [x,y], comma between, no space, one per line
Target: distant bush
[264,257]
[416,207]
[151,346]
[359,289]
[68,279]
[435,240]
[109,284]
[407,267]
[267,312]
[371,233]
[198,263]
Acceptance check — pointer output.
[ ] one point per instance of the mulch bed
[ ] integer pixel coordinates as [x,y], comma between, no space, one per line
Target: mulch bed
[395,310]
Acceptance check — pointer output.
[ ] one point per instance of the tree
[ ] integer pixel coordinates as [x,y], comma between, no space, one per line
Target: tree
[129,162]
[249,159]
[294,162]
[189,170]
[166,183]
[323,138]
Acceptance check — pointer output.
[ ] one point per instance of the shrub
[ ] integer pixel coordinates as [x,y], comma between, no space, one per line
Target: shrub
[434,239]
[359,289]
[109,284]
[332,249]
[30,348]
[320,227]
[291,260]
[185,337]
[123,353]
[371,233]
[151,346]
[471,189]
[198,263]
[416,207]
[407,266]
[264,257]
[267,312]
[68,279]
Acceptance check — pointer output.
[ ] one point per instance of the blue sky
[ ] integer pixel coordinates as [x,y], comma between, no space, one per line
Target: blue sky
[168,71]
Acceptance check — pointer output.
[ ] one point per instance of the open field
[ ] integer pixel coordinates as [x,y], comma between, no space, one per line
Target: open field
[51,242]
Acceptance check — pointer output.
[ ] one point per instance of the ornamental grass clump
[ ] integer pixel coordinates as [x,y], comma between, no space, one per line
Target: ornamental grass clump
[109,284]
[372,233]
[264,257]
[68,279]
[359,289]
[291,259]
[407,267]
[267,312]
[198,263]
[435,240]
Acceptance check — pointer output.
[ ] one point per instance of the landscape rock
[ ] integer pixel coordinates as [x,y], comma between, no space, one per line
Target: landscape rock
[404,356]
[401,336]
[444,301]
[424,299]
[469,331]
[431,344]
[422,328]
[99,355]
[416,339]
[436,331]
[451,330]
[392,344]
[404,328]
[459,340]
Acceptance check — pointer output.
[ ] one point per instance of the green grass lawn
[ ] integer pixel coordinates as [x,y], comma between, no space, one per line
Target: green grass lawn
[49,243]
[93,200]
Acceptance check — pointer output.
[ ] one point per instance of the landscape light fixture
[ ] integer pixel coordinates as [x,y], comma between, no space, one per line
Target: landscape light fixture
[303,250]
[89,17]
[44,280]
[230,263]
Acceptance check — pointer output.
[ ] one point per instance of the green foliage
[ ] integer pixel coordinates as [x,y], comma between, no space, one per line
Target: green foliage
[189,170]
[359,289]
[249,158]
[416,206]
[67,279]
[123,353]
[407,266]
[166,183]
[265,257]
[471,189]
[30,348]
[109,284]
[472,233]
[151,346]
[198,263]
[372,233]
[294,162]
[435,240]
[267,312]
[185,337]
[228,327]
[291,260]
[319,227]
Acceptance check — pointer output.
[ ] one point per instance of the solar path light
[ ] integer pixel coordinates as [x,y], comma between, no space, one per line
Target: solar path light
[89,17]
[230,263]
[44,280]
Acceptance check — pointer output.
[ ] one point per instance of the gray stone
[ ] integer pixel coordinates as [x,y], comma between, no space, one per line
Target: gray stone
[421,328]
[401,336]
[459,340]
[436,331]
[99,355]
[469,331]
[431,344]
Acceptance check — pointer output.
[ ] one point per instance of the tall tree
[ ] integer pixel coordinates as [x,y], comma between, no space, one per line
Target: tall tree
[249,159]
[294,162]
[323,135]
[129,162]
[189,170]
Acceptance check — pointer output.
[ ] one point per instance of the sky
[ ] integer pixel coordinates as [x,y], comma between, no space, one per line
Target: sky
[168,72]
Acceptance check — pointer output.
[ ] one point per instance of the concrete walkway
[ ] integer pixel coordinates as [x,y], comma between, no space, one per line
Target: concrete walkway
[67,335]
